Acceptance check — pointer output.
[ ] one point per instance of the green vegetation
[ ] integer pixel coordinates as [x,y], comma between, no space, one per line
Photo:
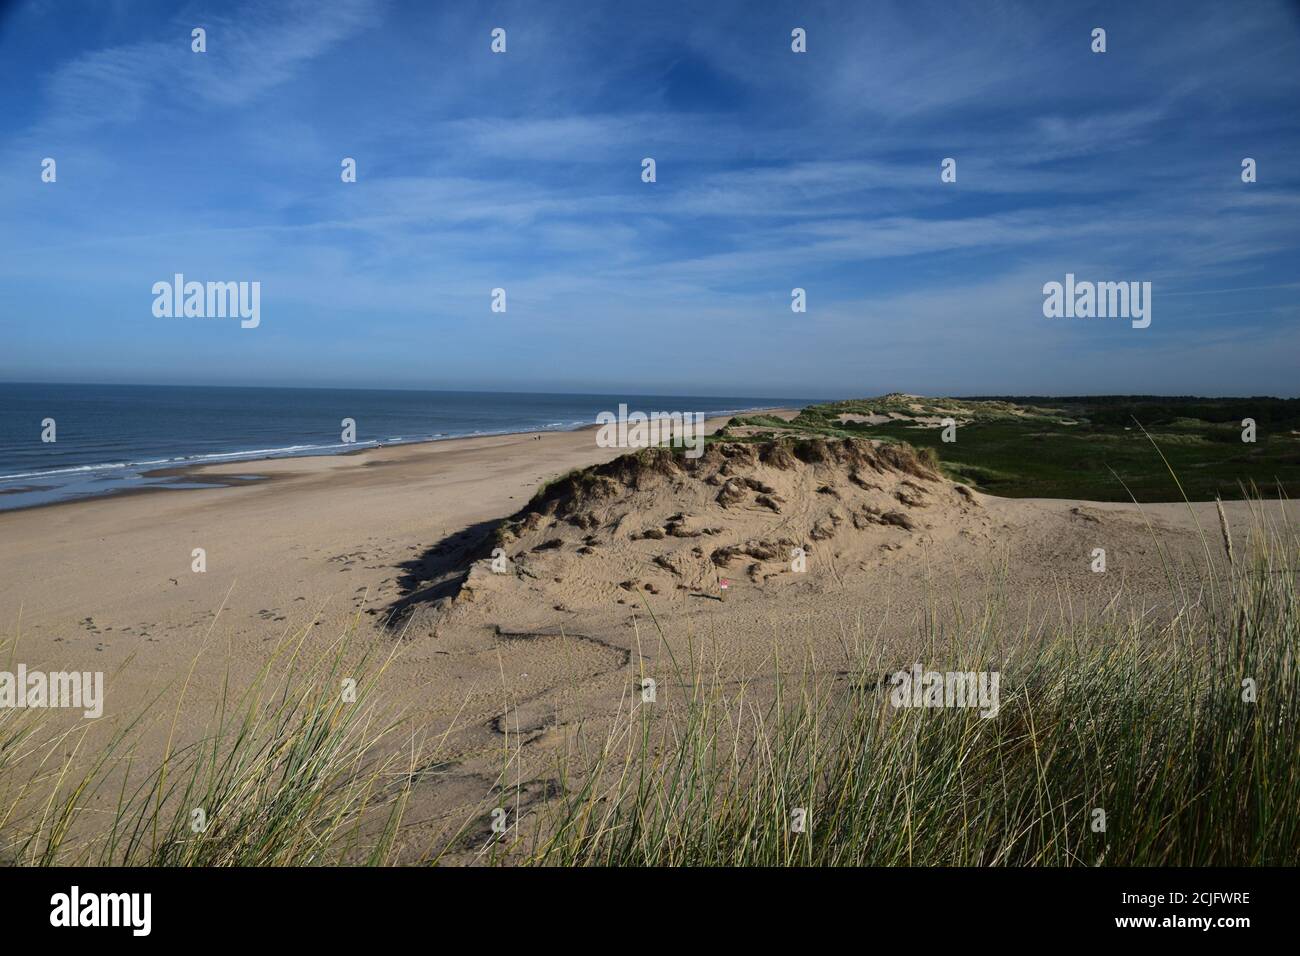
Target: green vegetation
[1149,722]
[1180,729]
[294,771]
[1101,448]
[1179,726]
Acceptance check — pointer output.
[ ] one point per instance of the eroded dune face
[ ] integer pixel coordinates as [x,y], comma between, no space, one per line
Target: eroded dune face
[760,514]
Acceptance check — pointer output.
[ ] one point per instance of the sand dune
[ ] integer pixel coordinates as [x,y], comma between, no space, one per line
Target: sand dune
[397,543]
[672,528]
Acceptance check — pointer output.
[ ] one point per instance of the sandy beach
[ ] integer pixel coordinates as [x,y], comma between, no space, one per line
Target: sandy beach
[317,538]
[561,437]
[364,543]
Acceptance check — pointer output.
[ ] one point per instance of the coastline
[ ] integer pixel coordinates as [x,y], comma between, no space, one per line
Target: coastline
[232,472]
[316,556]
[321,545]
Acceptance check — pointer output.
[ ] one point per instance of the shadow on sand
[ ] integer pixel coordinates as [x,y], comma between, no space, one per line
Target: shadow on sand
[437,572]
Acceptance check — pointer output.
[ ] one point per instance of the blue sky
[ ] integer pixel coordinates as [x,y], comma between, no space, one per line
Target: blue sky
[774,169]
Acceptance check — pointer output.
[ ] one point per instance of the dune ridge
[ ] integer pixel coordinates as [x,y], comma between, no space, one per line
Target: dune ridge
[661,523]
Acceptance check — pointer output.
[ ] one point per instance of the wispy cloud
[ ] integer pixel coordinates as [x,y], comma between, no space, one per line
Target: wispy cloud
[774,170]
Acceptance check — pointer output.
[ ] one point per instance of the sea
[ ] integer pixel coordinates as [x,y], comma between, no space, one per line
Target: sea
[108,439]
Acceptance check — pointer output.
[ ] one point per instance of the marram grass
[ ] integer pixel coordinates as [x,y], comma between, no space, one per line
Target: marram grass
[1176,728]
[1163,739]
[294,770]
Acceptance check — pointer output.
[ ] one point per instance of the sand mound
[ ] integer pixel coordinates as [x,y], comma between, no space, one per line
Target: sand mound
[765,514]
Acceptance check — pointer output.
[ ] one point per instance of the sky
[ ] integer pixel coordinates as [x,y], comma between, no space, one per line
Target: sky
[774,170]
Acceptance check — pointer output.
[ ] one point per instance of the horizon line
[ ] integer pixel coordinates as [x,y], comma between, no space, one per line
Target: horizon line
[987,396]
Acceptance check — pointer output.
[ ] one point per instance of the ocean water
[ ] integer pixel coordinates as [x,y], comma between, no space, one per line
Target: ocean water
[111,438]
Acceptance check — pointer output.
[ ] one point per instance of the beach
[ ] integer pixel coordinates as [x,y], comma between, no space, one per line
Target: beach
[321,535]
[319,545]
[354,545]
[654,439]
